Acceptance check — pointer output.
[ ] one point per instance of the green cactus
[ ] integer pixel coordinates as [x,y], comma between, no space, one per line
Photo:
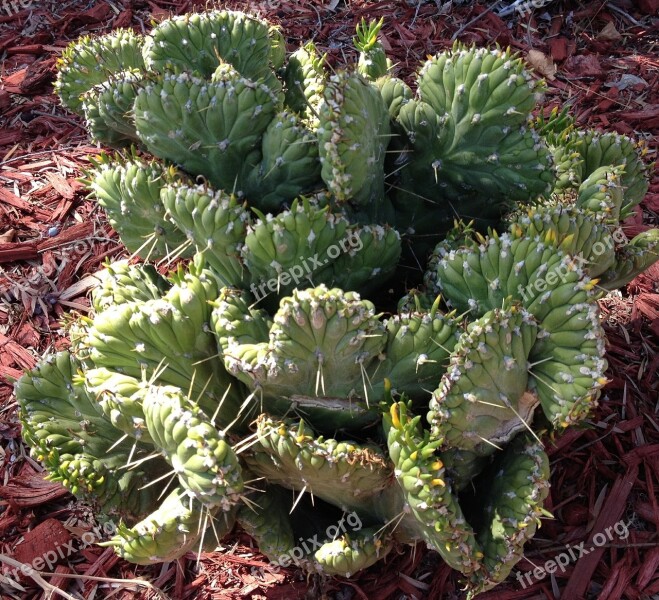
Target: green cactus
[274,378]
[215,222]
[108,109]
[289,166]
[122,282]
[631,259]
[201,42]
[129,191]
[470,138]
[482,401]
[90,61]
[315,356]
[305,79]
[207,127]
[353,135]
[80,448]
[291,456]
[373,62]
[176,527]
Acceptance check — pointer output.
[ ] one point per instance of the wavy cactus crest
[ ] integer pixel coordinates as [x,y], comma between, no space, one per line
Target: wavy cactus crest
[280,356]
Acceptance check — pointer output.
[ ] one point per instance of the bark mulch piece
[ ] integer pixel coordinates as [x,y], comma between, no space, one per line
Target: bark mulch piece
[599,58]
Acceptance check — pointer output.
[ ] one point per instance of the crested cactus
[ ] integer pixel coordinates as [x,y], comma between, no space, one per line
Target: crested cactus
[280,353]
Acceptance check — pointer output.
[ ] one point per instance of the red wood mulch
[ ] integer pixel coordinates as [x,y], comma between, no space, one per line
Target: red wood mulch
[51,237]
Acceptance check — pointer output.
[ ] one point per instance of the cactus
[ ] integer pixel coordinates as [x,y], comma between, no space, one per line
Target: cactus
[373,62]
[280,355]
[129,190]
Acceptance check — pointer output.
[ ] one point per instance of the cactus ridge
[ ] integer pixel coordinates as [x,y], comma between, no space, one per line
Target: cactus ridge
[203,41]
[514,508]
[289,164]
[108,109]
[482,401]
[129,190]
[305,79]
[122,282]
[89,61]
[290,455]
[203,126]
[204,462]
[353,136]
[215,222]
[176,527]
[64,425]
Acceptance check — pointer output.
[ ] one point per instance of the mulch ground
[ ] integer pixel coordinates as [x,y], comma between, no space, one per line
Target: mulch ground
[599,57]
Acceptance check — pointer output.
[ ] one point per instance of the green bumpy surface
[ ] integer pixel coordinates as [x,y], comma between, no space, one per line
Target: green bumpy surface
[89,62]
[122,282]
[215,222]
[79,447]
[313,357]
[108,109]
[203,41]
[289,164]
[129,191]
[469,133]
[207,127]
[421,475]
[305,80]
[291,456]
[352,553]
[204,462]
[567,364]
[176,527]
[518,488]
[353,135]
[482,401]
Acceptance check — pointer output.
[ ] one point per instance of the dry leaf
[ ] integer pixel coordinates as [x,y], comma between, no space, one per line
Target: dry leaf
[609,33]
[542,63]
